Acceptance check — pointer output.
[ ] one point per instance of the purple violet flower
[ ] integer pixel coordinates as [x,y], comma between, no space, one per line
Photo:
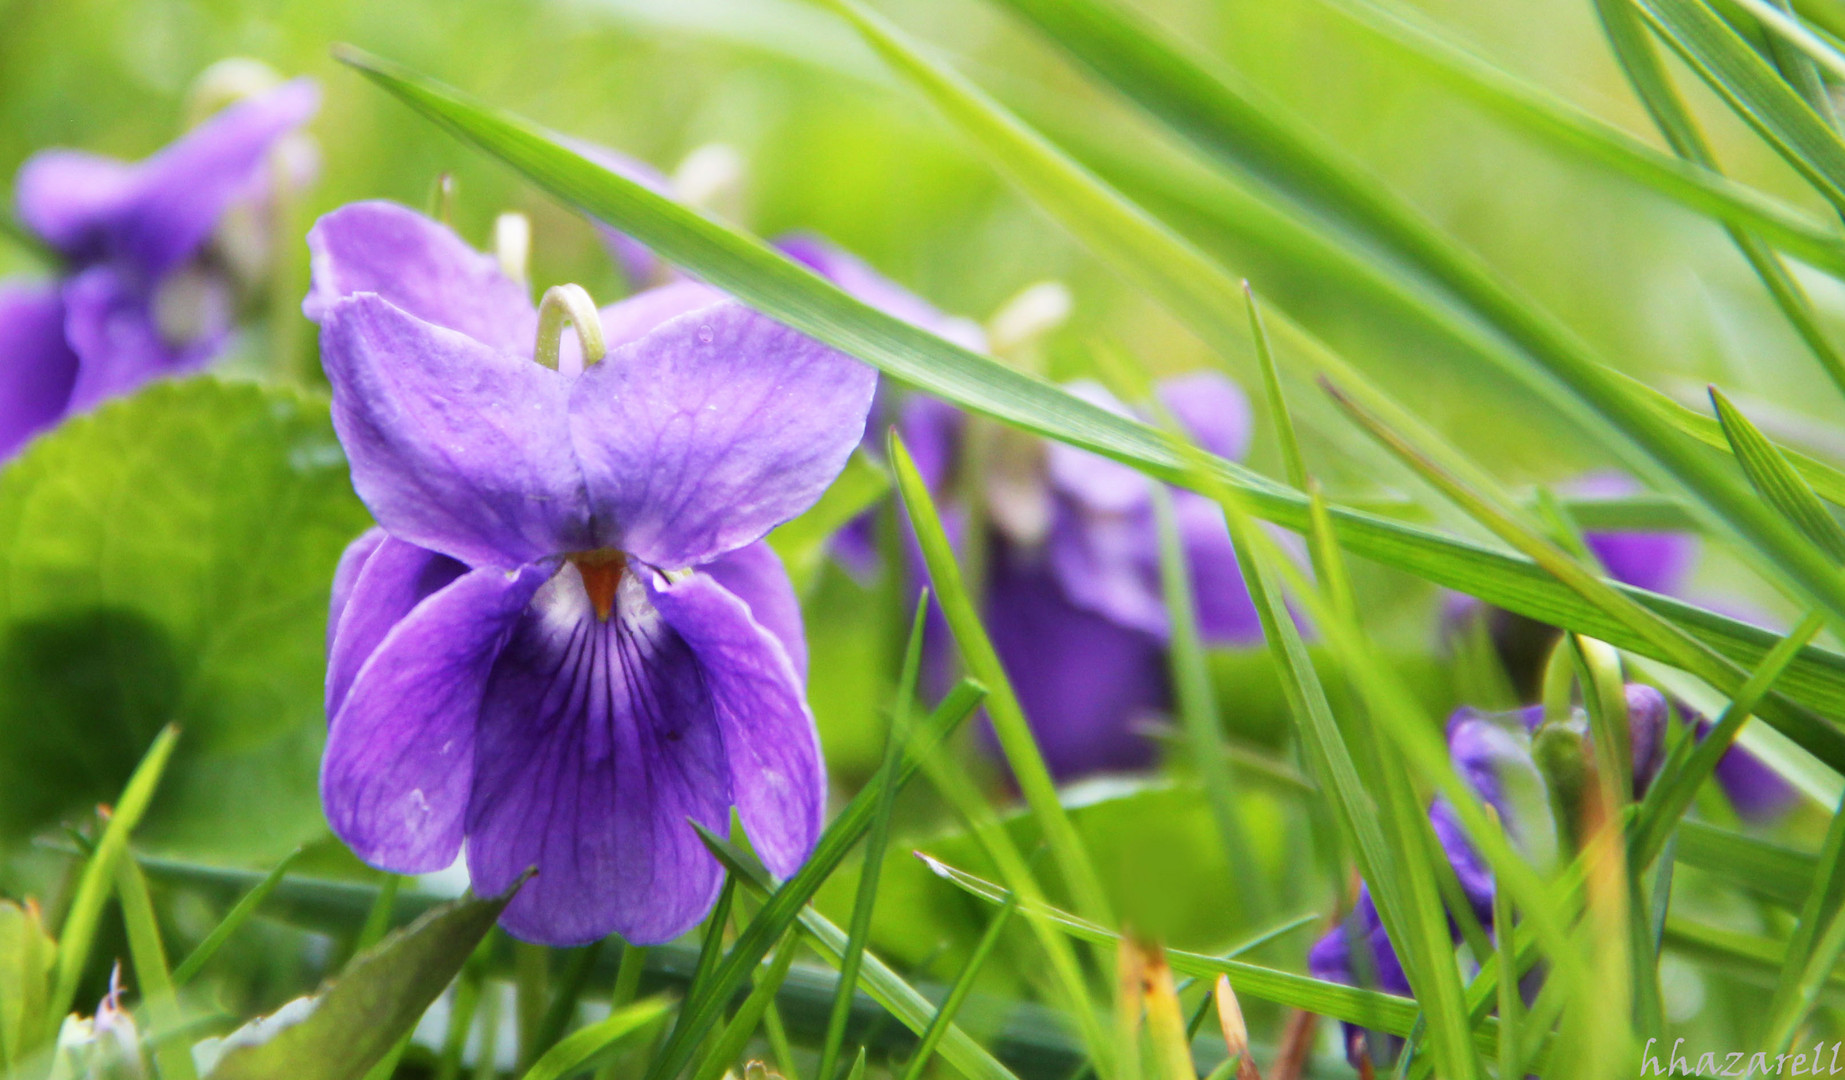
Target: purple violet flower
[566,638]
[140,295]
[1492,753]
[1657,562]
[1073,596]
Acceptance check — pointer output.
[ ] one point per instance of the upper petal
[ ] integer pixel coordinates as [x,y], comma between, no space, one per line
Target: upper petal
[183,190]
[155,214]
[1211,408]
[454,446]
[1655,561]
[755,575]
[855,276]
[597,741]
[70,198]
[395,578]
[637,316]
[1108,564]
[422,268]
[37,365]
[1757,792]
[706,433]
[777,776]
[400,751]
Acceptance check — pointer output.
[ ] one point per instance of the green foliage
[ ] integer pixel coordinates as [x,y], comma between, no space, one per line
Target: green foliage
[166,560]
[361,1015]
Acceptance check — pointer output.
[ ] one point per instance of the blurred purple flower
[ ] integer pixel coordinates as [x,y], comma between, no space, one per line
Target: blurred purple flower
[1073,601]
[566,637]
[1657,562]
[1492,754]
[140,295]
[856,545]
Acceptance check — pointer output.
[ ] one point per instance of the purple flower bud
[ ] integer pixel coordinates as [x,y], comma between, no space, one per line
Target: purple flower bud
[1647,714]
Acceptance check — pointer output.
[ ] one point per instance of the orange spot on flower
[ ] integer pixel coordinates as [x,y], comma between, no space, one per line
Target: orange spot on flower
[601,572]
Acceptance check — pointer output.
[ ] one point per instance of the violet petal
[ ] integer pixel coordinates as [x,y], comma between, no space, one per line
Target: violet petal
[346,575]
[1211,409]
[400,752]
[777,776]
[712,429]
[393,581]
[1084,681]
[40,366]
[755,575]
[597,741]
[108,321]
[455,446]
[423,269]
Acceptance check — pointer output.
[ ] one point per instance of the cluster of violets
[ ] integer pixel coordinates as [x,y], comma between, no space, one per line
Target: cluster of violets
[566,639]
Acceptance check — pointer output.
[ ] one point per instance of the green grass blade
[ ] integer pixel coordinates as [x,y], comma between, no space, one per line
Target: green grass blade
[1639,60]
[1511,1005]
[1537,112]
[161,1002]
[1368,1008]
[1479,497]
[1204,107]
[1792,60]
[1776,479]
[1066,975]
[1785,1025]
[1434,972]
[233,921]
[1279,414]
[1790,28]
[885,986]
[362,1015]
[1407,901]
[1754,90]
[581,1047]
[875,844]
[711,949]
[1673,791]
[1199,714]
[1749,956]
[1748,863]
[562,1010]
[754,273]
[705,1005]
[1016,740]
[1827,482]
[736,1034]
[957,994]
[78,934]
[380,917]
[1824,902]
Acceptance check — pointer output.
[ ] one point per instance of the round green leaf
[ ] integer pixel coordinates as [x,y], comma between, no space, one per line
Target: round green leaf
[168,558]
